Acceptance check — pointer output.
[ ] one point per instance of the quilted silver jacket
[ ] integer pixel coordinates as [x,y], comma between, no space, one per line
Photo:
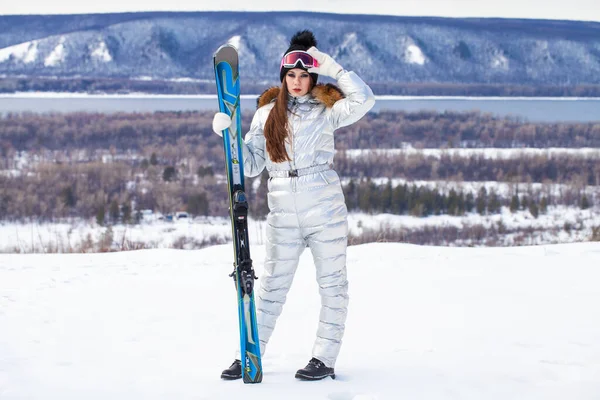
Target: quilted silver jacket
[312,124]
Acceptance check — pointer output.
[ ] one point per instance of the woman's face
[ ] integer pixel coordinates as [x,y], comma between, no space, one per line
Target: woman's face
[298,82]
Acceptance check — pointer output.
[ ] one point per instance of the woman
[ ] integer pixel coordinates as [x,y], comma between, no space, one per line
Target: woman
[292,136]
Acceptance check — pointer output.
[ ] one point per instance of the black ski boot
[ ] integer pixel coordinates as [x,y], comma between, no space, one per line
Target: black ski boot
[315,370]
[233,372]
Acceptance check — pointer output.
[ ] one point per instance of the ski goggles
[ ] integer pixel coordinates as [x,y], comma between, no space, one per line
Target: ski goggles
[298,56]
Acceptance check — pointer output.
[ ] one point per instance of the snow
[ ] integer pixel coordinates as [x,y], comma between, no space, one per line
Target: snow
[71,235]
[235,41]
[57,55]
[101,53]
[500,62]
[424,323]
[551,223]
[486,153]
[352,45]
[350,40]
[414,55]
[74,235]
[26,52]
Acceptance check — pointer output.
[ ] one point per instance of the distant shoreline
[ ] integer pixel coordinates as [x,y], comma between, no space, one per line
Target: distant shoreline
[148,86]
[42,95]
[548,109]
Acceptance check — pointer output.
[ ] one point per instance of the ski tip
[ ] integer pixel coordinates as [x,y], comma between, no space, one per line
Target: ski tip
[227,47]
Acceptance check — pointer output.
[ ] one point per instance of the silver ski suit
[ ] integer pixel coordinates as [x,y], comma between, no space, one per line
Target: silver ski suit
[307,210]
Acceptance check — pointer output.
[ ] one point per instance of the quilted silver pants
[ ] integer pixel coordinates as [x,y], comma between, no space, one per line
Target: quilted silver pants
[306,211]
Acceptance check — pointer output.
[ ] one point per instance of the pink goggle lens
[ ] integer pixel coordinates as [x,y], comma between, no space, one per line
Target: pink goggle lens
[294,57]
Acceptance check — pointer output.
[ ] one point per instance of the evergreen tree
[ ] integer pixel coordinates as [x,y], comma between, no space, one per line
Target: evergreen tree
[100,212]
[525,203]
[544,205]
[426,199]
[452,202]
[351,195]
[412,199]
[364,196]
[374,197]
[169,174]
[126,210]
[399,199]
[461,205]
[114,211]
[67,196]
[481,201]
[514,203]
[469,202]
[534,209]
[585,204]
[153,159]
[494,203]
[138,216]
[386,198]
[198,204]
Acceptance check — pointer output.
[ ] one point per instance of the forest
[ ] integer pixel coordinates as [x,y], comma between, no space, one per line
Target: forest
[110,167]
[383,130]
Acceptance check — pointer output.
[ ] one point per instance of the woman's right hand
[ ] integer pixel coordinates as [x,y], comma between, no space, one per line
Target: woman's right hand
[221,121]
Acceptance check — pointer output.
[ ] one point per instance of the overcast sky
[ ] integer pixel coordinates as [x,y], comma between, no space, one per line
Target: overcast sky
[544,9]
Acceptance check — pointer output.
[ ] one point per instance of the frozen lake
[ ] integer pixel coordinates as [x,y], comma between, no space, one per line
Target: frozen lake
[535,109]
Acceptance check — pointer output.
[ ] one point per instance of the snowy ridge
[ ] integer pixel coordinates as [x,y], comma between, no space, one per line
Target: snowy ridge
[101,53]
[25,52]
[423,322]
[58,54]
[380,49]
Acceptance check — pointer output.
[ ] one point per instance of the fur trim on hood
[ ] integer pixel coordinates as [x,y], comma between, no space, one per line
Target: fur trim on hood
[327,94]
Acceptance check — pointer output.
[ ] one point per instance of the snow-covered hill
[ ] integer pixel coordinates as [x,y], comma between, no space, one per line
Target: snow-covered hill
[424,323]
[380,48]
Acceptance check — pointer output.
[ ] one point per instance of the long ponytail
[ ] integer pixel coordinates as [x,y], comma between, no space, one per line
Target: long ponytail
[276,127]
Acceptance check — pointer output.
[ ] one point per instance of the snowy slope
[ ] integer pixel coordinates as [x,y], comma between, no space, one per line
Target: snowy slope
[424,323]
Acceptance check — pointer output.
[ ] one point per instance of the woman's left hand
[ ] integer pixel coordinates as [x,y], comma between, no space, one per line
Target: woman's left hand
[327,65]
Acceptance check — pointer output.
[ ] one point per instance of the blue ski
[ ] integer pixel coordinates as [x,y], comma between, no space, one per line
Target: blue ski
[228,89]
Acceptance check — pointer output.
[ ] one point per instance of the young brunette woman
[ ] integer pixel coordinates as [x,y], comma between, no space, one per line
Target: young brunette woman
[292,136]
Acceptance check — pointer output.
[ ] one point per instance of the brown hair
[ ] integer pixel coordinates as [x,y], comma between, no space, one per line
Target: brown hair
[276,131]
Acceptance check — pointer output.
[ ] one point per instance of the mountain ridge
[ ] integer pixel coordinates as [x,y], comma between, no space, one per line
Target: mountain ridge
[382,49]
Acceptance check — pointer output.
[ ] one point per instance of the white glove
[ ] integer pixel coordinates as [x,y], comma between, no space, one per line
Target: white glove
[327,65]
[221,121]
